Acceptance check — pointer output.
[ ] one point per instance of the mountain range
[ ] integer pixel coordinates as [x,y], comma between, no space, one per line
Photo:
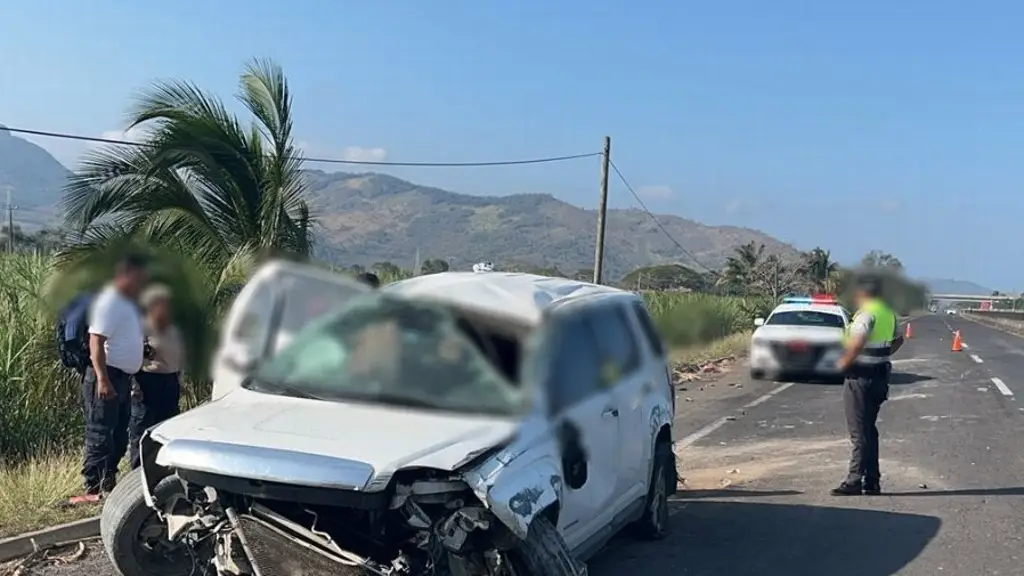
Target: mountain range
[371,217]
[951,286]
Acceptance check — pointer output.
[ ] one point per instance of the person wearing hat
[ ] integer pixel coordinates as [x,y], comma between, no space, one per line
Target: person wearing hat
[157,389]
[871,338]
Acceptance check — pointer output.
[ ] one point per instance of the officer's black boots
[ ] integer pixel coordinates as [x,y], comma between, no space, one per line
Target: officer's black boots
[857,488]
[848,489]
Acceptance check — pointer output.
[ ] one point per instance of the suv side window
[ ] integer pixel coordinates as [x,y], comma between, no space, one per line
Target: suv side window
[574,364]
[620,354]
[650,332]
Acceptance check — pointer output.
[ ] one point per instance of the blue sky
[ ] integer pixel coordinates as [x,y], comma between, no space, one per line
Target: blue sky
[793,117]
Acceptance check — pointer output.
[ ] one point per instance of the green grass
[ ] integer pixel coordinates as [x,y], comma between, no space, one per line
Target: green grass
[732,345]
[39,401]
[687,319]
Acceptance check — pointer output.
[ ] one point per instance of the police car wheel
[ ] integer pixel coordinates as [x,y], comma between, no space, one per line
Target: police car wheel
[757,375]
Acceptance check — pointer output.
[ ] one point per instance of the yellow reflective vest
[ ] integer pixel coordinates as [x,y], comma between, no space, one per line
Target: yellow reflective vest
[878,348]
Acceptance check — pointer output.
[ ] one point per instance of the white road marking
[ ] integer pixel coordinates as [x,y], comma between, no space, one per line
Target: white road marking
[964,345]
[1003,388]
[700,434]
[768,396]
[977,359]
[705,431]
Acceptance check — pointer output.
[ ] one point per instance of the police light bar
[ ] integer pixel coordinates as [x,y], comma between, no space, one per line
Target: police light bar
[815,299]
[797,300]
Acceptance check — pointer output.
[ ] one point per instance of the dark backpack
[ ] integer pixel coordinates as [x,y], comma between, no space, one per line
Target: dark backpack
[71,332]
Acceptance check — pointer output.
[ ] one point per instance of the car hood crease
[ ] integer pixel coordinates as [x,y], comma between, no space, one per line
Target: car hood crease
[387,438]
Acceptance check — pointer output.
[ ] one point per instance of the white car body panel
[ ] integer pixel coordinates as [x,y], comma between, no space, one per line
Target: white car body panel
[519,297]
[386,438]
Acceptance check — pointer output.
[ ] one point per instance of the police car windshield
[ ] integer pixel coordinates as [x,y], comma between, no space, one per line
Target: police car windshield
[806,318]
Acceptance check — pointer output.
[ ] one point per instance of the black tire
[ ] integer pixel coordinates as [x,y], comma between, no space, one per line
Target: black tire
[124,515]
[544,553]
[756,375]
[654,523]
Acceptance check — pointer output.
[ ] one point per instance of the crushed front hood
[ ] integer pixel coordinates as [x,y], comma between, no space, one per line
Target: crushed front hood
[353,440]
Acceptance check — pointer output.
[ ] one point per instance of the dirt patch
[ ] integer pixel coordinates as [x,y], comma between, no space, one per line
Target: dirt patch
[716,467]
[790,461]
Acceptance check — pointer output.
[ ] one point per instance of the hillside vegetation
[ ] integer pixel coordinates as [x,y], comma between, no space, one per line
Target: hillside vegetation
[368,218]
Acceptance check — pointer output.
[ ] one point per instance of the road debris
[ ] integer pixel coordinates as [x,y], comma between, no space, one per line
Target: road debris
[690,372]
[59,555]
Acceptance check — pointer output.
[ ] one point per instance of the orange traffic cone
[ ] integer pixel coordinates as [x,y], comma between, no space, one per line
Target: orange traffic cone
[908,333]
[957,344]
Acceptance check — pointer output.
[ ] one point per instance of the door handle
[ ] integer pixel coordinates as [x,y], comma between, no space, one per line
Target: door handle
[610,413]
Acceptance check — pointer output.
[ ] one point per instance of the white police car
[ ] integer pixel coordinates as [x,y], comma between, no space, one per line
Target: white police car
[803,336]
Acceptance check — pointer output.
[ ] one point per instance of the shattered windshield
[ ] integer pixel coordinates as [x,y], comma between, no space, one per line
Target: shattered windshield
[382,348]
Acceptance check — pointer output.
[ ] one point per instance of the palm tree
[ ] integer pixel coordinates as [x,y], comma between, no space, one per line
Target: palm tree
[820,270]
[200,180]
[739,268]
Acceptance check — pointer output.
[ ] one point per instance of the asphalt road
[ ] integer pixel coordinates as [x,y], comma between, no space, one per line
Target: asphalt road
[760,457]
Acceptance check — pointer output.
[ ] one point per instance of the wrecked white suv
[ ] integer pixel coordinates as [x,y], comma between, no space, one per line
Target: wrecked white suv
[454,424]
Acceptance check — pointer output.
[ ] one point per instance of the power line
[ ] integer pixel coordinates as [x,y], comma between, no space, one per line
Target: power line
[79,137]
[658,222]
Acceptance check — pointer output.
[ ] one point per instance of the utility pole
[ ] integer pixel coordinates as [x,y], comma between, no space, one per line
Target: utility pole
[10,221]
[602,210]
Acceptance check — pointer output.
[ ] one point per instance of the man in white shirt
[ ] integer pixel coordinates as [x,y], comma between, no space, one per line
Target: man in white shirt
[116,353]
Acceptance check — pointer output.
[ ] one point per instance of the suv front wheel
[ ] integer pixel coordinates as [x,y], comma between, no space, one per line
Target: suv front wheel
[654,523]
[543,553]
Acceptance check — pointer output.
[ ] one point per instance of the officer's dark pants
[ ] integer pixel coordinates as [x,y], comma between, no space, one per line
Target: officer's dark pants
[106,429]
[158,402]
[864,392]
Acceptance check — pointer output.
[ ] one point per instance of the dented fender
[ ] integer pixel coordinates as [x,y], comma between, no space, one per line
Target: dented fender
[517,495]
[152,473]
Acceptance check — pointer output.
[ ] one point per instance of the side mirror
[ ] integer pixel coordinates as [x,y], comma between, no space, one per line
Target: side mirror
[574,456]
[758,321]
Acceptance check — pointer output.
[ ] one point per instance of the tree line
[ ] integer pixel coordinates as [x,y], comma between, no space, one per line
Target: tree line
[749,272]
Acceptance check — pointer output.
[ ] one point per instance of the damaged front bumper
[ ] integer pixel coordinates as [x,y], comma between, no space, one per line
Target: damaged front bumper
[462,521]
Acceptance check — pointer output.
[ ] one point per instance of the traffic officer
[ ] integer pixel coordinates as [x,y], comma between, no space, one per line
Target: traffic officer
[872,337]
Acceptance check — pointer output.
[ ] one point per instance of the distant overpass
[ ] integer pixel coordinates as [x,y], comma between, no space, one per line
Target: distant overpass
[971,297]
